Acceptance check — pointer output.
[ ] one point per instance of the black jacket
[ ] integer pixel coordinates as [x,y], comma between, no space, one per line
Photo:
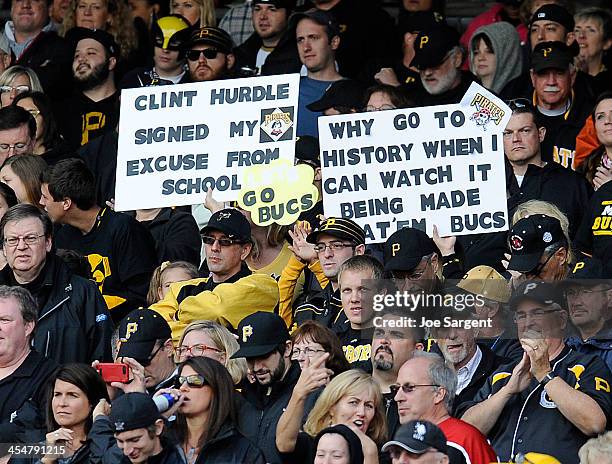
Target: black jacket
[230,447]
[23,397]
[176,235]
[284,59]
[50,56]
[262,409]
[73,324]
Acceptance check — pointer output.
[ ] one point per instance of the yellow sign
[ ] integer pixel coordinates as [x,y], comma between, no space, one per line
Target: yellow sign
[277,192]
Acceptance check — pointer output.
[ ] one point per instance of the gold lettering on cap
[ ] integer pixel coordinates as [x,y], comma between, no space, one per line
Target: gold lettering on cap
[424,40]
[247,331]
[131,328]
[579,265]
[546,51]
[395,247]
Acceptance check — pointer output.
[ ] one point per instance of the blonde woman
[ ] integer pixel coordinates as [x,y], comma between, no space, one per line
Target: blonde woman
[211,340]
[112,16]
[15,81]
[199,13]
[352,398]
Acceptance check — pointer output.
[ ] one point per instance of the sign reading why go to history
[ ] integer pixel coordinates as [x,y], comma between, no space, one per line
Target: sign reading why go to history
[418,167]
[176,142]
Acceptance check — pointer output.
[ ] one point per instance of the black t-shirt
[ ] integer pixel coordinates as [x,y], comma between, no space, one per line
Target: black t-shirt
[81,119]
[121,253]
[357,347]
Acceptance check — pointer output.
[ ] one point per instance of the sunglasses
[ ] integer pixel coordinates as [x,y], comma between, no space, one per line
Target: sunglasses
[408,387]
[224,242]
[194,380]
[209,54]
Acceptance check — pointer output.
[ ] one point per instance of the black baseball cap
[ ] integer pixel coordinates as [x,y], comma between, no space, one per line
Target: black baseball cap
[323,18]
[433,44]
[341,228]
[552,55]
[588,272]
[307,149]
[345,93]
[528,239]
[213,36]
[76,34]
[536,290]
[417,437]
[138,332]
[404,250]
[259,334]
[288,4]
[133,411]
[231,222]
[555,13]
[415,21]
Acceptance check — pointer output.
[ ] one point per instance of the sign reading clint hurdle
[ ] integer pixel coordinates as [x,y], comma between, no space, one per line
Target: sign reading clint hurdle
[177,141]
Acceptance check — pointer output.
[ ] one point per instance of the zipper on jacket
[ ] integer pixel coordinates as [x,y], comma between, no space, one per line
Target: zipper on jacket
[54,308]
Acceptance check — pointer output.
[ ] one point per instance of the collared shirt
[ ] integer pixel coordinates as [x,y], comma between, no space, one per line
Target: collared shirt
[465,373]
[19,48]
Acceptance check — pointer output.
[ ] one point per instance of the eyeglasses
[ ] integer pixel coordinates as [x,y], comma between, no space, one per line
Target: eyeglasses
[537,314]
[409,387]
[209,54]
[224,242]
[370,108]
[195,350]
[194,380]
[333,246]
[517,103]
[574,293]
[27,239]
[308,352]
[403,275]
[18,89]
[18,147]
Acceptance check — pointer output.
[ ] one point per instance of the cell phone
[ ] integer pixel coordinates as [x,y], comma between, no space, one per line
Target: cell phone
[114,372]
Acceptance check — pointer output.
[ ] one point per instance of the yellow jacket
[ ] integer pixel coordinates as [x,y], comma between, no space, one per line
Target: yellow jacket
[226,303]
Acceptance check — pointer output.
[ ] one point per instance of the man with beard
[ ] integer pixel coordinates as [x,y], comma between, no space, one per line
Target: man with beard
[93,108]
[264,342]
[393,344]
[209,54]
[438,57]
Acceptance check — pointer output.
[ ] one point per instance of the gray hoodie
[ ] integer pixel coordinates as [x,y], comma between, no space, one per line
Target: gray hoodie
[507,48]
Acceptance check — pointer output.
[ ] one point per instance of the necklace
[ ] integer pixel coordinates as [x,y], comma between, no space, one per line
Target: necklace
[191,453]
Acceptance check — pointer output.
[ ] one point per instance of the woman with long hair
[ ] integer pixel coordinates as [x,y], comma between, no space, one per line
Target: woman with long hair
[352,398]
[48,143]
[112,16]
[593,32]
[74,391]
[22,173]
[597,168]
[211,340]
[206,421]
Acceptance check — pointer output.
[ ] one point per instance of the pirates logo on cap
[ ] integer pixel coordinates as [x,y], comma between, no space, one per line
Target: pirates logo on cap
[546,51]
[516,242]
[247,331]
[423,41]
[395,247]
[419,431]
[224,215]
[130,328]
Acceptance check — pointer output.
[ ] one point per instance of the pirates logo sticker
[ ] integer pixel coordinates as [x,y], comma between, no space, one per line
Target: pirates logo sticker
[276,124]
